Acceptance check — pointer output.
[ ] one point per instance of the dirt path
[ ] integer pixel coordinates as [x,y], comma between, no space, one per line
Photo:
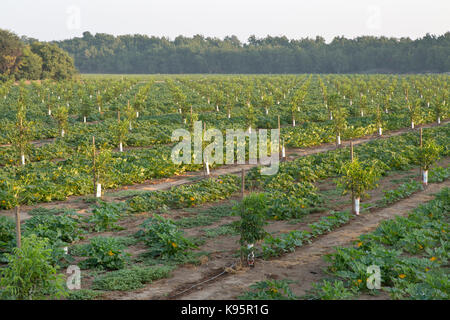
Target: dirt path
[36,143]
[77,203]
[331,146]
[303,266]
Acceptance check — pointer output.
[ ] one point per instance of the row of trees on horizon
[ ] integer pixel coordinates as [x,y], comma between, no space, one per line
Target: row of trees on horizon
[105,53]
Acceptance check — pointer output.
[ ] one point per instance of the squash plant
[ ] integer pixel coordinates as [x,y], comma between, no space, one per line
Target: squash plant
[164,238]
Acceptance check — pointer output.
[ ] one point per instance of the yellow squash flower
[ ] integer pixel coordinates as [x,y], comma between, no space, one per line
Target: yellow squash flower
[402,276]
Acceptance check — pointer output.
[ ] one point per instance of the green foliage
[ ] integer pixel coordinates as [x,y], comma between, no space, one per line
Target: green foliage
[105,216]
[252,212]
[186,195]
[84,294]
[357,178]
[329,290]
[288,242]
[30,274]
[163,237]
[201,55]
[439,174]
[411,253]
[65,227]
[401,192]
[7,236]
[204,218]
[56,63]
[269,290]
[36,60]
[61,115]
[104,253]
[428,154]
[130,279]
[339,119]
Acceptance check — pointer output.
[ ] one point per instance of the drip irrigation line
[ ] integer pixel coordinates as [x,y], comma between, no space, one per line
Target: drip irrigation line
[205,281]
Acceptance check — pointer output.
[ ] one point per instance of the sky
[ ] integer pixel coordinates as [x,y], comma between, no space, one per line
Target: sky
[48,20]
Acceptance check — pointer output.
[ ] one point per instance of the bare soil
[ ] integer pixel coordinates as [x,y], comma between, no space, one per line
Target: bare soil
[305,265]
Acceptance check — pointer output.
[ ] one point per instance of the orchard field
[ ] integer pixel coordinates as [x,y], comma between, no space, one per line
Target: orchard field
[86,171]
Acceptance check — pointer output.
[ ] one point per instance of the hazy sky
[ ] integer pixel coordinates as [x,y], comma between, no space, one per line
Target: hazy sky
[63,19]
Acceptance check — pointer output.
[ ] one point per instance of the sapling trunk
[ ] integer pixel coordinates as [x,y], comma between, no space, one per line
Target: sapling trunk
[338,139]
[137,114]
[380,131]
[22,157]
[267,111]
[217,108]
[283,152]
[439,120]
[84,119]
[412,124]
[49,112]
[62,133]
[293,122]
[121,146]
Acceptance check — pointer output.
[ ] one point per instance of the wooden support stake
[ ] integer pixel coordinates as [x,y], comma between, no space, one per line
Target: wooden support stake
[421,145]
[421,140]
[93,165]
[18,234]
[243,183]
[353,196]
[351,150]
[279,135]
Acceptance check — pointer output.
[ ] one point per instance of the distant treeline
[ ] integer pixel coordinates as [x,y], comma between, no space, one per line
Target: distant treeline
[104,53]
[28,59]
